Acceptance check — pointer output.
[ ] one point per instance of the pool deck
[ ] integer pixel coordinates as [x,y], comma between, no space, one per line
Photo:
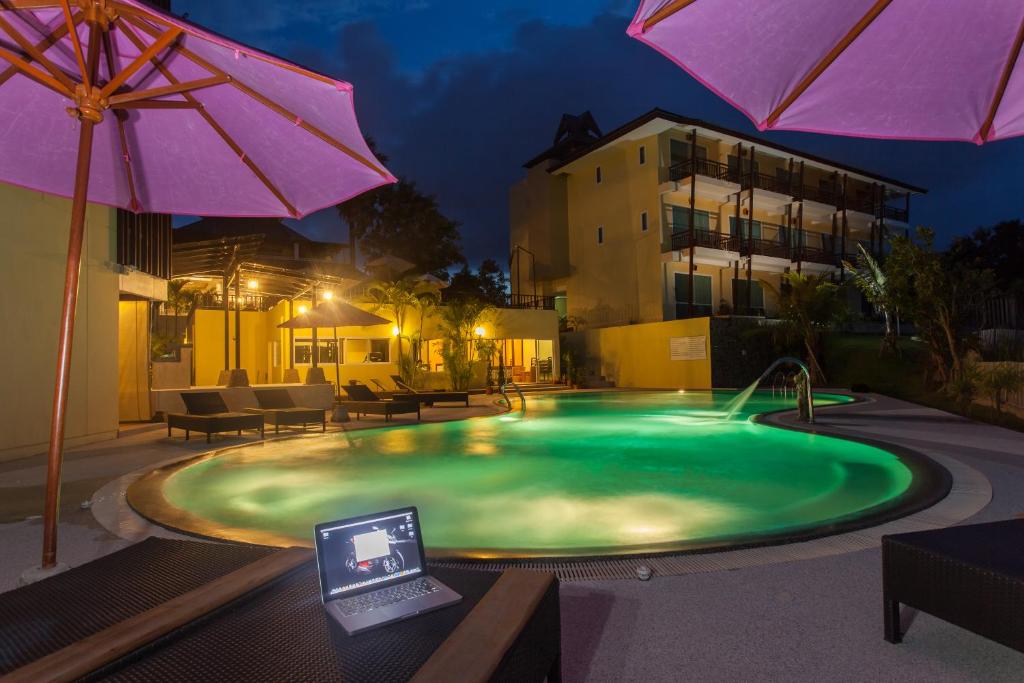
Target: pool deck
[798,620]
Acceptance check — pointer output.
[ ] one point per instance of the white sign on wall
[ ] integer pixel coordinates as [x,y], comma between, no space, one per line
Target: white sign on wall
[687,348]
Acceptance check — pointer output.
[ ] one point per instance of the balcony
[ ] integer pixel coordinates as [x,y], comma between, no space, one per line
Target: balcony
[708,239]
[769,240]
[704,167]
[144,243]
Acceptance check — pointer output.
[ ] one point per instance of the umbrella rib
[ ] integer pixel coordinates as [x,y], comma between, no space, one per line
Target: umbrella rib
[42,46]
[212,122]
[149,53]
[79,55]
[36,54]
[18,64]
[163,90]
[1004,81]
[827,60]
[666,11]
[291,116]
[108,51]
[247,161]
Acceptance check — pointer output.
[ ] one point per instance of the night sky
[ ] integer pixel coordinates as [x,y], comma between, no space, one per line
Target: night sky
[459,94]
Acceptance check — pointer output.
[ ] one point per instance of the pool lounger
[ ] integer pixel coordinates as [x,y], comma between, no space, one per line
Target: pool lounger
[208,414]
[278,408]
[429,397]
[362,401]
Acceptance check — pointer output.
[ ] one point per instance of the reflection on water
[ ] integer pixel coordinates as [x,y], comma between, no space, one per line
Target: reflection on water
[577,471]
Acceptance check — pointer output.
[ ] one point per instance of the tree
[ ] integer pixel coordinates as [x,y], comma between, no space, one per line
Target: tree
[400,298]
[809,305]
[410,225]
[459,320]
[941,295]
[360,212]
[488,283]
[999,249]
[870,278]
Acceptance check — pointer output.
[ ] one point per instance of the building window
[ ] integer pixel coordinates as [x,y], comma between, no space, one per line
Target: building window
[643,221]
[701,295]
[327,351]
[600,234]
[379,350]
[597,175]
[748,301]
[643,155]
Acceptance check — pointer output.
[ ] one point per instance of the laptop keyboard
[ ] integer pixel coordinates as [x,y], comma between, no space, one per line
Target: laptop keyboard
[386,596]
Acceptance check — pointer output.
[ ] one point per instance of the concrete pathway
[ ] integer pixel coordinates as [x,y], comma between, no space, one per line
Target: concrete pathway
[809,620]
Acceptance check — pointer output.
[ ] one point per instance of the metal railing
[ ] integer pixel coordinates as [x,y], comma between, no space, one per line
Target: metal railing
[522,399]
[709,239]
[144,242]
[704,167]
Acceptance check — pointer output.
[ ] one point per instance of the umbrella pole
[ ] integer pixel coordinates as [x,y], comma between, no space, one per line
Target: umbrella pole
[337,364]
[67,333]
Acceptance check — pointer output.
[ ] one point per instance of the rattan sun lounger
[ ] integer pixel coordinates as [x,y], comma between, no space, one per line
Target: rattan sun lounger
[278,408]
[362,401]
[208,414]
[430,397]
[971,576]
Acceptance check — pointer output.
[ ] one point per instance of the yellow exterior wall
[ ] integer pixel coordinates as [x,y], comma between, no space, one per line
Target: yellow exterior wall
[35,229]
[615,282]
[637,356]
[259,331]
[133,355]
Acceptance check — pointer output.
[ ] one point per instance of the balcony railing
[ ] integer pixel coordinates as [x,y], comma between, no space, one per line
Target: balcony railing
[896,213]
[144,242]
[815,247]
[822,195]
[683,239]
[535,301]
[704,167]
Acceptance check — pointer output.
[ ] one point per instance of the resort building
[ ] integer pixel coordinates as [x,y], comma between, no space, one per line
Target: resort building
[668,218]
[125,268]
[244,278]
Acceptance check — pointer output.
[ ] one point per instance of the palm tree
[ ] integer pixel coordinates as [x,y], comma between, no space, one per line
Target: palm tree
[459,320]
[399,298]
[809,305]
[870,278]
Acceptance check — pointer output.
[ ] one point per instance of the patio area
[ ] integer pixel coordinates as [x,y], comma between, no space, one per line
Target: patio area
[774,619]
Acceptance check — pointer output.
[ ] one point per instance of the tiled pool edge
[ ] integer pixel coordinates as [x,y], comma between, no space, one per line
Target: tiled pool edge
[970,493]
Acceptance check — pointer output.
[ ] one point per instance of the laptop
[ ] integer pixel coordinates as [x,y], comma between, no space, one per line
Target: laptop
[373,571]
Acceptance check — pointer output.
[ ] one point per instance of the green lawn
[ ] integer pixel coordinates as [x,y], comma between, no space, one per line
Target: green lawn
[854,359]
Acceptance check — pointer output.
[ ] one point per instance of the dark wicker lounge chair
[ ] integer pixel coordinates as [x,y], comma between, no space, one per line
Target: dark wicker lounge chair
[971,576]
[208,414]
[278,408]
[429,397]
[362,401]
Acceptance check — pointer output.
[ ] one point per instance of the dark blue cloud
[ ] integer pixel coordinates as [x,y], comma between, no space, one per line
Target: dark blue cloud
[493,79]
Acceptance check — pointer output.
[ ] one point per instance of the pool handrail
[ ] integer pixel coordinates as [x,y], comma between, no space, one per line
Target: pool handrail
[807,380]
[504,392]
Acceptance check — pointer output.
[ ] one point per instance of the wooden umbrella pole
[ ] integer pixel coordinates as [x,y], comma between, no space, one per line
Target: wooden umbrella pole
[67,333]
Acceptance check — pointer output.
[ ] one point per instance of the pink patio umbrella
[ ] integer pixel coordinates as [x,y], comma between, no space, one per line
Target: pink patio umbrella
[114,102]
[867,68]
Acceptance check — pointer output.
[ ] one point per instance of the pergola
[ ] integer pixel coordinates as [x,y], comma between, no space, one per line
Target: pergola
[237,259]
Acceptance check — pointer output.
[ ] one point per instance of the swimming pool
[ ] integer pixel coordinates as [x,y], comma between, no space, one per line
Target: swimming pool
[579,474]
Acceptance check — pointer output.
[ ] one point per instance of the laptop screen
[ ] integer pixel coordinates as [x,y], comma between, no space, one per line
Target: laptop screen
[369,552]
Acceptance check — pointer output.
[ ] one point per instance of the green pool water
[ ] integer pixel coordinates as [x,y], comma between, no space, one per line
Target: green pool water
[588,473]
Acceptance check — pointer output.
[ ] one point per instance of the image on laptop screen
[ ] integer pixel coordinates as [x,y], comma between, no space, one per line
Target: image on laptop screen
[355,556]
